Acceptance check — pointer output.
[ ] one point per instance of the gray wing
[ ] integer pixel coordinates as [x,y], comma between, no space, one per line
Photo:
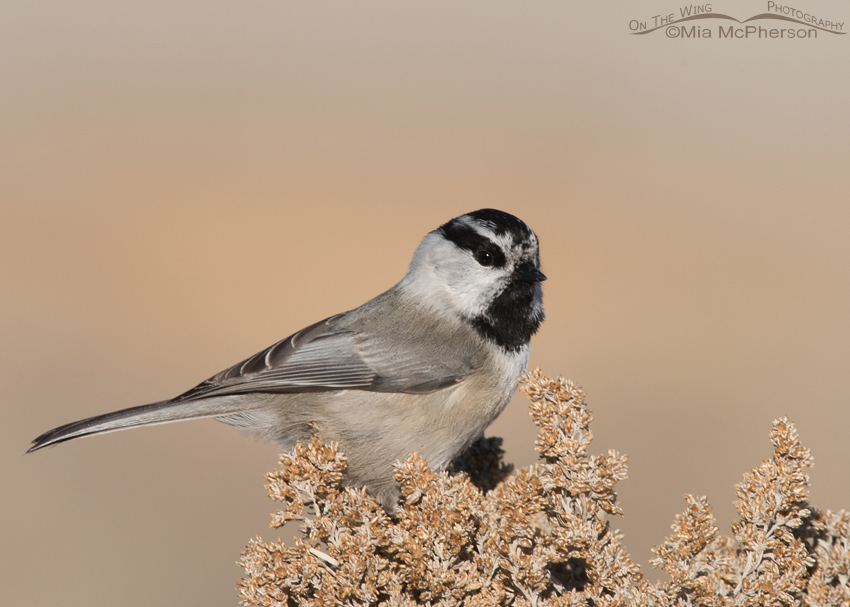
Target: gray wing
[327,357]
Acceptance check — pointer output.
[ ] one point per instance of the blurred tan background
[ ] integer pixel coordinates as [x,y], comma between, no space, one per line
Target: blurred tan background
[182,184]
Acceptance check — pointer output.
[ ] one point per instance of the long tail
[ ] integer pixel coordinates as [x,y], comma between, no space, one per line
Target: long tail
[163,412]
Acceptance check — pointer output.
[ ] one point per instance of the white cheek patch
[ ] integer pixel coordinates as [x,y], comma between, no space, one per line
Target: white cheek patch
[449,280]
[474,289]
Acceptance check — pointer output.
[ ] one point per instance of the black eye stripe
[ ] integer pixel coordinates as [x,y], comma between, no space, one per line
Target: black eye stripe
[468,239]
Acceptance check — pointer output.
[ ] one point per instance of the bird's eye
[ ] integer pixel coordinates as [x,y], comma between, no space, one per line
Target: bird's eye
[485,258]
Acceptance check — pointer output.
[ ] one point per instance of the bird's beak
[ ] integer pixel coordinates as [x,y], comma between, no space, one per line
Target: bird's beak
[530,274]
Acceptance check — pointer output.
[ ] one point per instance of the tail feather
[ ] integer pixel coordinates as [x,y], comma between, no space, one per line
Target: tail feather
[163,412]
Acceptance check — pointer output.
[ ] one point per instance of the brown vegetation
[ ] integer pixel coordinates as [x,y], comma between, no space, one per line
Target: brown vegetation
[482,535]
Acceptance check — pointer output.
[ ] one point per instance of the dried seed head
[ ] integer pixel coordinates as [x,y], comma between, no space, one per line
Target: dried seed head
[478,535]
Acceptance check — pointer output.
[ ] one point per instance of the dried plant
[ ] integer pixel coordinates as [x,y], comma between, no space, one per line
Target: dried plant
[479,534]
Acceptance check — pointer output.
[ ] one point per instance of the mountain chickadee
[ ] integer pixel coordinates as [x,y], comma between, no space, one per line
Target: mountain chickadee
[425,366]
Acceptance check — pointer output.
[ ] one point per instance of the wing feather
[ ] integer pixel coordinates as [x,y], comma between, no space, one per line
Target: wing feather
[327,356]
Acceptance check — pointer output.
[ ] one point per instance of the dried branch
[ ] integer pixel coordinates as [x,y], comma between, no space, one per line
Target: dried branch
[478,534]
